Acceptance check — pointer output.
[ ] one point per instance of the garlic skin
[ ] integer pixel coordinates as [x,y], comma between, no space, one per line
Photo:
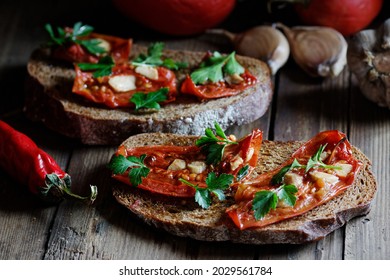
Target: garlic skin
[265,43]
[262,42]
[319,51]
[369,60]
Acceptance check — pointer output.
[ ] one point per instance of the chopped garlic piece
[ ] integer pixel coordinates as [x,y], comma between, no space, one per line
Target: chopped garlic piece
[237,161]
[323,156]
[177,164]
[234,79]
[291,178]
[345,169]
[122,83]
[325,177]
[249,154]
[147,71]
[197,167]
[282,204]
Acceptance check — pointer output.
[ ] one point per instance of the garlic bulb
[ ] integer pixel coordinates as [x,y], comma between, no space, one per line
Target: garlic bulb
[263,42]
[319,51]
[369,59]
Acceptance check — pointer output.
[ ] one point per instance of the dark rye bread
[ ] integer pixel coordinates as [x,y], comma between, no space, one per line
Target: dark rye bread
[49,99]
[185,218]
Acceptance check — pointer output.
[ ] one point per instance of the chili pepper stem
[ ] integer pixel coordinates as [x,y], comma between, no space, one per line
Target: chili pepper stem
[56,187]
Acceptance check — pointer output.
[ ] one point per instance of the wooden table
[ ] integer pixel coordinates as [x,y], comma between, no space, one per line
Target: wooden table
[301,107]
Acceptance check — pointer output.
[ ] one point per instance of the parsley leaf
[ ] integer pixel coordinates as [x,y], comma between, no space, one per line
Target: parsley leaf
[202,197]
[79,30]
[120,164]
[102,68]
[153,58]
[58,40]
[174,65]
[287,194]
[92,46]
[214,68]
[215,185]
[266,200]
[212,145]
[316,160]
[136,174]
[263,202]
[242,172]
[232,66]
[149,100]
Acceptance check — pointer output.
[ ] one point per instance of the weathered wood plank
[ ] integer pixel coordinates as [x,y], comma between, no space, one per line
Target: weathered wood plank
[368,237]
[24,220]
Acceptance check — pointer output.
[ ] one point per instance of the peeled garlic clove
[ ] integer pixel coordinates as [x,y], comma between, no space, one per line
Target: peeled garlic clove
[263,42]
[369,60]
[319,51]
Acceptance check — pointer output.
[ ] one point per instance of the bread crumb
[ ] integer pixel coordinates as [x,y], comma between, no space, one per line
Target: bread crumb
[188,120]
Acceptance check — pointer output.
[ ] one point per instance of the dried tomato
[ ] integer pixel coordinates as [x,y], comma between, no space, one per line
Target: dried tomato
[312,191]
[164,181]
[33,167]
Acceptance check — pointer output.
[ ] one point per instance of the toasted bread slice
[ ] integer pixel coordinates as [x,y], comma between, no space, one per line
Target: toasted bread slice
[49,99]
[186,218]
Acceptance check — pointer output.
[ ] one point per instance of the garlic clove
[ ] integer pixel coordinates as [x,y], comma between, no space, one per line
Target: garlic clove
[262,42]
[385,31]
[369,60]
[319,51]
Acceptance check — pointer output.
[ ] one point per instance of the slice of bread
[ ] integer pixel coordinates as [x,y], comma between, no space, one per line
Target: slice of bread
[49,99]
[186,218]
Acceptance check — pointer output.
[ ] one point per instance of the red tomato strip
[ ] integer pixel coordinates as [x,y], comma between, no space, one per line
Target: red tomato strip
[163,181]
[160,179]
[119,49]
[311,193]
[217,90]
[99,91]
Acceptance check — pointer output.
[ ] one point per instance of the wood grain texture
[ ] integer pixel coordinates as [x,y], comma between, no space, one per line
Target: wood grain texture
[368,237]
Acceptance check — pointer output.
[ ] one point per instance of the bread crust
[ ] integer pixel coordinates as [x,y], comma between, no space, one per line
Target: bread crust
[184,218]
[49,99]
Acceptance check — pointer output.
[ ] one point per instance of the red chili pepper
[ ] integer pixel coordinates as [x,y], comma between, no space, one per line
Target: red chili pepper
[21,158]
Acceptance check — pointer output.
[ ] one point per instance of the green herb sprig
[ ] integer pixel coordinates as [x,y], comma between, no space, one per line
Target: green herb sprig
[316,160]
[79,30]
[214,68]
[102,68]
[149,100]
[213,145]
[154,58]
[215,185]
[266,200]
[120,164]
[244,171]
